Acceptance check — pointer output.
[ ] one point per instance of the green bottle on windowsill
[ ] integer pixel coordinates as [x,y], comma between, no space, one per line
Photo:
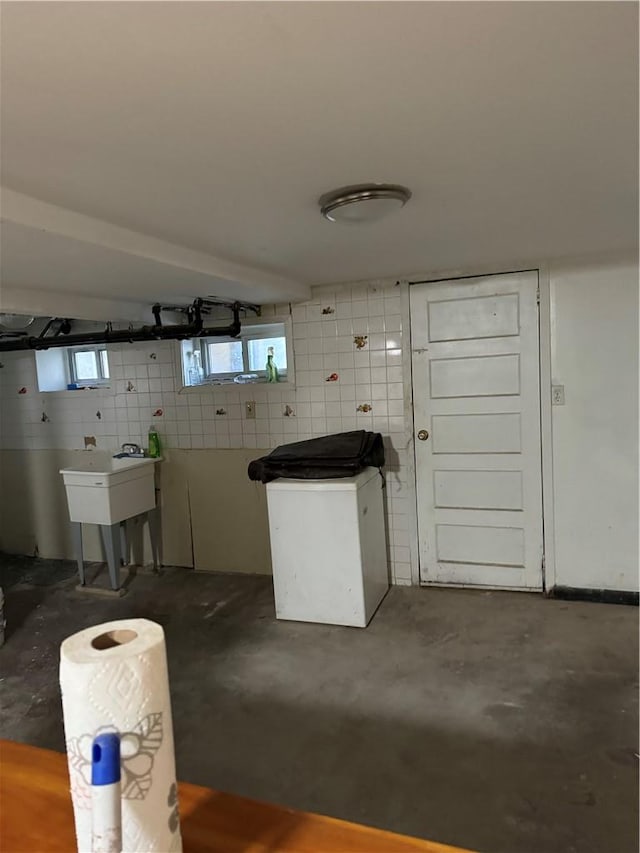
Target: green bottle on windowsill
[271,369]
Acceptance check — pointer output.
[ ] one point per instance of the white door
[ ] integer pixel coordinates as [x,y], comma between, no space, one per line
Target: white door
[476,404]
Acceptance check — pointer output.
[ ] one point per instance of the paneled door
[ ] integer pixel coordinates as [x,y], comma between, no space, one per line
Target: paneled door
[476,397]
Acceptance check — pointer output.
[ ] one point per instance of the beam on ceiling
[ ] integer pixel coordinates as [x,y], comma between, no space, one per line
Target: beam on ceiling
[32,213]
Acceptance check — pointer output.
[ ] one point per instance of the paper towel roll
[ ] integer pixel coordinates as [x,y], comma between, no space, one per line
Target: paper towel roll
[114,677]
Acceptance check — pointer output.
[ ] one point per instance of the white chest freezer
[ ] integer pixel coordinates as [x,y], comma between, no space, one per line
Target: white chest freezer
[328,548]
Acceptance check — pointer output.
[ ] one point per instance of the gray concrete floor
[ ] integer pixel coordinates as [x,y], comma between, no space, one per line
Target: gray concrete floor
[496,721]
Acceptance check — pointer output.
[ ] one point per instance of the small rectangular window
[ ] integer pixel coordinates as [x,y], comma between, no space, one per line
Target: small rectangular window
[88,366]
[85,366]
[104,363]
[259,352]
[225,357]
[60,368]
[216,360]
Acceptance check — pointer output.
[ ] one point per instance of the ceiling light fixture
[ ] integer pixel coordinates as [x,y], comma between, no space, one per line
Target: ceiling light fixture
[362,203]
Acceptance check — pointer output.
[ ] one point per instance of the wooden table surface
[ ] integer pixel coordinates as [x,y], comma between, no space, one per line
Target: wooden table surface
[36,817]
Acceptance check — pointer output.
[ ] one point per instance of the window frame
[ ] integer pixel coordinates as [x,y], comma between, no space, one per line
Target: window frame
[97,349]
[205,359]
[256,329]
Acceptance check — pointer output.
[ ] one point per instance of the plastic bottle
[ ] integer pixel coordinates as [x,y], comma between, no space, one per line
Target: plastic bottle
[271,369]
[154,442]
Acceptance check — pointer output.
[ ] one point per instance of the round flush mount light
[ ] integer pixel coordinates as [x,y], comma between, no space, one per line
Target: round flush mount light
[362,203]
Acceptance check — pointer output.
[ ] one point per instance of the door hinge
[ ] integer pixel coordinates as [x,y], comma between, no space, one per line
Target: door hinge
[538,295]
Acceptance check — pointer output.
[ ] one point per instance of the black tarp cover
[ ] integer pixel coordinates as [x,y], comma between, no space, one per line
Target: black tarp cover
[344,454]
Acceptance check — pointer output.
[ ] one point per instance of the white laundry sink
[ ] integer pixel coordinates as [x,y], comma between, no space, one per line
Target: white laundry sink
[103,490]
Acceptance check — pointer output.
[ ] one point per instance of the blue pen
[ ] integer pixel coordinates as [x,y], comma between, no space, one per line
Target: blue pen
[106,813]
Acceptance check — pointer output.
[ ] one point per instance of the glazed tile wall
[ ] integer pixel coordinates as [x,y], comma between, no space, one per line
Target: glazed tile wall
[368,394]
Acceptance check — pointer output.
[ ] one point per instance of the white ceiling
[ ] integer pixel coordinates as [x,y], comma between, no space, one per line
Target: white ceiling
[216,126]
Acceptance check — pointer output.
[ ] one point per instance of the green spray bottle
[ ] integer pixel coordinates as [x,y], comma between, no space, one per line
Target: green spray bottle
[271,369]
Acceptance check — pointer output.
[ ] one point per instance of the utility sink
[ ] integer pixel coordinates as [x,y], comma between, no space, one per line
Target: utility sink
[104,490]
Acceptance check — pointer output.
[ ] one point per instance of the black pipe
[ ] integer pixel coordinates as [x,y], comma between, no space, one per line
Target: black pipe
[143,333]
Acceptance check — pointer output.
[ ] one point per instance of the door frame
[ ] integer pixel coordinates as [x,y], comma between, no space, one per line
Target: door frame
[545,324]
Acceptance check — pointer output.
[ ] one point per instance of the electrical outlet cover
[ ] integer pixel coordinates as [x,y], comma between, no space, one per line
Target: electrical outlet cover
[557,395]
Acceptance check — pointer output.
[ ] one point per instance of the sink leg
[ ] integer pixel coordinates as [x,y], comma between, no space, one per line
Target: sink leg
[111,539]
[154,534]
[124,543]
[76,534]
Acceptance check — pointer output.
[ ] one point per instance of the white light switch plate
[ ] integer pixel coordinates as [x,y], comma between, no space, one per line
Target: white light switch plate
[250,409]
[557,395]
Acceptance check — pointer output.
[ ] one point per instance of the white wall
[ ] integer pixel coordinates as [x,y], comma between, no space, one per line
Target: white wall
[594,354]
[53,373]
[594,338]
[323,344]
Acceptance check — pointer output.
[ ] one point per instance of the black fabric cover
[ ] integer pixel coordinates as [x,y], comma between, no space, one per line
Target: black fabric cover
[328,458]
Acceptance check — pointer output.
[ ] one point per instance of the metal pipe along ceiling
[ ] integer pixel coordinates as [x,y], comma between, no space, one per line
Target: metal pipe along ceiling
[175,332]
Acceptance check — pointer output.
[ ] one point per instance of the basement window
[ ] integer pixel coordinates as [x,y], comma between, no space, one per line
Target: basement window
[218,361]
[69,368]
[88,365]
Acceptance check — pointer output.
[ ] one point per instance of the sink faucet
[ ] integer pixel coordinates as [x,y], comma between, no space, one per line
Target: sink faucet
[131,448]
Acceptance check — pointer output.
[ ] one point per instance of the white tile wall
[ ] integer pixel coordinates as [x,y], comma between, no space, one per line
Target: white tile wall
[323,344]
